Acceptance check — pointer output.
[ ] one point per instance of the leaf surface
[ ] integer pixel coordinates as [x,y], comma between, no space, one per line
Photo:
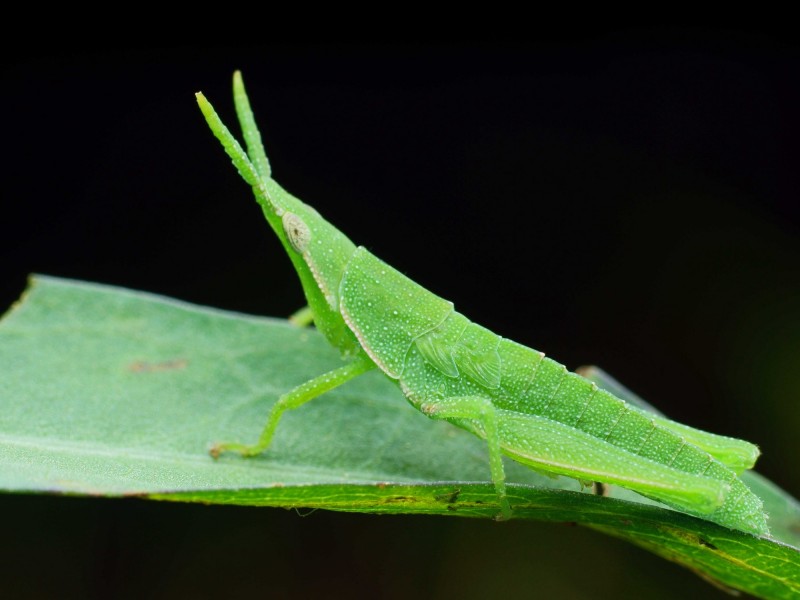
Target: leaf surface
[109,392]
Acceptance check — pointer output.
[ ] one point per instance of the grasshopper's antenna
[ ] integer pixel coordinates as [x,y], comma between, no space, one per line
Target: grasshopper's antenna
[237,154]
[252,137]
[229,143]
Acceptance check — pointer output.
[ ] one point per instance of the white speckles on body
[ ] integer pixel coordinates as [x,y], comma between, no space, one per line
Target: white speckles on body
[549,418]
[375,309]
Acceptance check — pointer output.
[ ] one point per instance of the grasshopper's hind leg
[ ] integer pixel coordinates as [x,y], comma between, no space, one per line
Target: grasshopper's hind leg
[293,399]
[481,410]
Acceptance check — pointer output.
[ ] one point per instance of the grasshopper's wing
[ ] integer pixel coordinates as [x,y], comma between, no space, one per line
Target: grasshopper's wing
[738,455]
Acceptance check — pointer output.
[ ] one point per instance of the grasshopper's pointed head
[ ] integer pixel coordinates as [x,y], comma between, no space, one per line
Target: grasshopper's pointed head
[317,248]
[319,251]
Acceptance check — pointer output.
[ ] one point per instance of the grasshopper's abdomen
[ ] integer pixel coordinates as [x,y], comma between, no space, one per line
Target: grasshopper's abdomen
[552,392]
[435,353]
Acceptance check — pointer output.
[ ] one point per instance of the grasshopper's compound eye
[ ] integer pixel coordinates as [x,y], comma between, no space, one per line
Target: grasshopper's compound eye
[297,231]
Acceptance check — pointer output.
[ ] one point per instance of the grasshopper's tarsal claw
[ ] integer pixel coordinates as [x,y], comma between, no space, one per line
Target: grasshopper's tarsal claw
[243,449]
[505,511]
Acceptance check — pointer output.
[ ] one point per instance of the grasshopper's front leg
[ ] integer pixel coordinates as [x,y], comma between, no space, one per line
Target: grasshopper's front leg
[293,399]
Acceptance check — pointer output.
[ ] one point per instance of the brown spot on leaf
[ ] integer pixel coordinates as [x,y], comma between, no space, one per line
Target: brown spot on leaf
[143,366]
[450,497]
[706,543]
[398,499]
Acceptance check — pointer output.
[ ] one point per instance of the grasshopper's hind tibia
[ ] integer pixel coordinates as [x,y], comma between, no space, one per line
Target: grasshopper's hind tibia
[690,483]
[558,448]
[297,397]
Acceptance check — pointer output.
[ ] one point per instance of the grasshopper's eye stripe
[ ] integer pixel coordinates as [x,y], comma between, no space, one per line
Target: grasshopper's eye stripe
[297,231]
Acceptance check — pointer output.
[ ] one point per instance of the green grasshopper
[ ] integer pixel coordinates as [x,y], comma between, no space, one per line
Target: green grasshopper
[521,403]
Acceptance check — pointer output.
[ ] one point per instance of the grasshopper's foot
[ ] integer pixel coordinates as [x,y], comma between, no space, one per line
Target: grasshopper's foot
[505,510]
[243,449]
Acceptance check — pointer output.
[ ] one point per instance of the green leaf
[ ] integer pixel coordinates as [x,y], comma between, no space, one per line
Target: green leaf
[110,392]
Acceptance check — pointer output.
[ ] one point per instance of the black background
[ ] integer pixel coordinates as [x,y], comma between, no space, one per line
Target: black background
[627,199]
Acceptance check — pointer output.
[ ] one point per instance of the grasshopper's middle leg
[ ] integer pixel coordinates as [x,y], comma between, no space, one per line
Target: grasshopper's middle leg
[292,399]
[483,411]
[302,317]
